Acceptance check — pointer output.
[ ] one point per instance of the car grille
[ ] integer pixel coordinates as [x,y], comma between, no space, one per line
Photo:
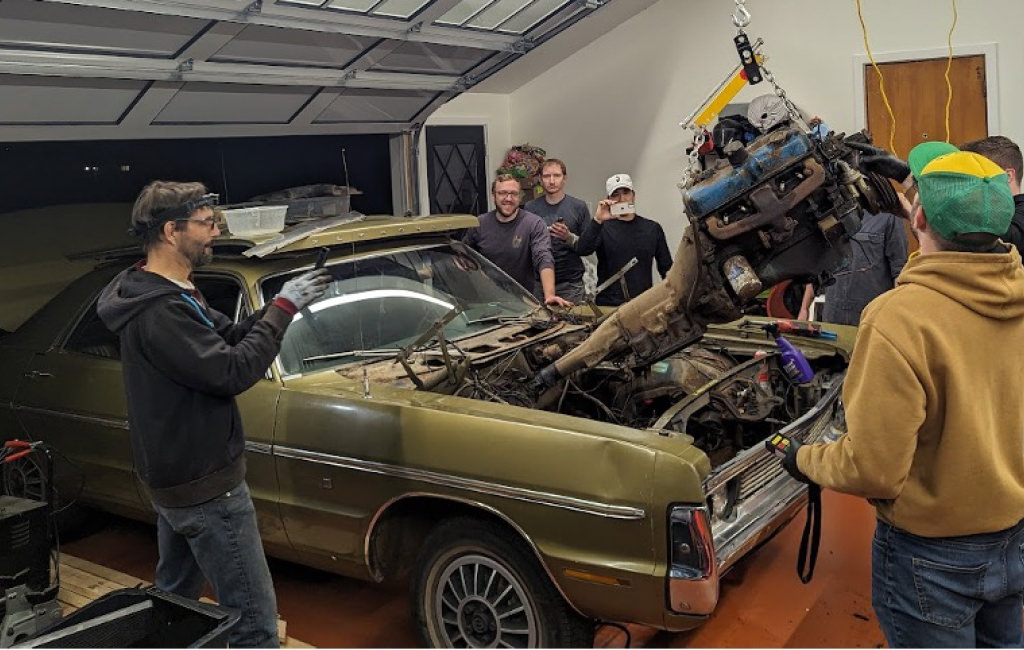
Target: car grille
[764,469]
[745,495]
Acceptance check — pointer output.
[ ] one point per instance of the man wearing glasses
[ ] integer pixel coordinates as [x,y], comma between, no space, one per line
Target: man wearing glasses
[183,364]
[516,241]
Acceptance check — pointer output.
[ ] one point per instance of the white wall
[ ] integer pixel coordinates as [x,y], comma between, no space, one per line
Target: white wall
[487,110]
[615,105]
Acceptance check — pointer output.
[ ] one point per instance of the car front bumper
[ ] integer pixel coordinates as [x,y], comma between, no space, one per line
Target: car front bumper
[749,499]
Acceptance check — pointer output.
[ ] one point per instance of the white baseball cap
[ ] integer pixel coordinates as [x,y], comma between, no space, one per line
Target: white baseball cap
[617,181]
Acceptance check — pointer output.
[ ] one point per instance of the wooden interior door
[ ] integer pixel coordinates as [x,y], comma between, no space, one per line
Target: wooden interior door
[917,93]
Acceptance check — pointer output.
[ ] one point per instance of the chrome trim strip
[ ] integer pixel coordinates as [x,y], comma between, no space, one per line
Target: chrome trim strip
[77,417]
[259,448]
[481,487]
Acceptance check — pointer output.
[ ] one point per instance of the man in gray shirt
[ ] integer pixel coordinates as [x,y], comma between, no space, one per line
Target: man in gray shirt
[566,217]
[516,241]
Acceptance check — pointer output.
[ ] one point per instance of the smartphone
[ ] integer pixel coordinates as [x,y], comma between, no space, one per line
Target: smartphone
[622,208]
[321,257]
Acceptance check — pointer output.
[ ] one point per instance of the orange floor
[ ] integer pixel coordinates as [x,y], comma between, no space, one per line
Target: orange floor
[763,603]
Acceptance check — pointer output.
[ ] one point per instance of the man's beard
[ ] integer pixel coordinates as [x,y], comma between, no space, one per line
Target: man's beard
[197,254]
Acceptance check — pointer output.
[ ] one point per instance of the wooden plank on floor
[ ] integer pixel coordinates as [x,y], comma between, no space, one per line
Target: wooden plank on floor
[85,583]
[82,582]
[112,575]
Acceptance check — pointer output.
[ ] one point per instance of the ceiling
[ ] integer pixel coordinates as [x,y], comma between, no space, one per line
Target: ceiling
[115,69]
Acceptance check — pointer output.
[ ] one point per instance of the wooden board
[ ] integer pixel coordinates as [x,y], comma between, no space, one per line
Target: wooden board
[82,582]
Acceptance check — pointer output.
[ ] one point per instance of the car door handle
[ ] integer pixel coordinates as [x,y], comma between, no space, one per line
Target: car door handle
[37,374]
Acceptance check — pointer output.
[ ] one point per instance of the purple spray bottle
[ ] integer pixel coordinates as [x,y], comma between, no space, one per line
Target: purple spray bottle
[792,360]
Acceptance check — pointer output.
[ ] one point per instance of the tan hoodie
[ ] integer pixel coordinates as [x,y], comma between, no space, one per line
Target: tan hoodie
[934,399]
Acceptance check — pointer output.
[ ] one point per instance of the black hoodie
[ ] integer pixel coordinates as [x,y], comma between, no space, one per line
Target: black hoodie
[183,364]
[1015,233]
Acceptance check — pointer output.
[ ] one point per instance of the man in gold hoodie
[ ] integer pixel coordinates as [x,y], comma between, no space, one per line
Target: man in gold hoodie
[934,401]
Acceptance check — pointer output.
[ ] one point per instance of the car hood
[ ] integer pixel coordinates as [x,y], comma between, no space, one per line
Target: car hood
[583,431]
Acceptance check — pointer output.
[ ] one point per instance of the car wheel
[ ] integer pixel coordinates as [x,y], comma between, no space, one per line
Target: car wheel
[476,587]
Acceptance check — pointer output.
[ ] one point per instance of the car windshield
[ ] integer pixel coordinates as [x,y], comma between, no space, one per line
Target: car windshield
[378,305]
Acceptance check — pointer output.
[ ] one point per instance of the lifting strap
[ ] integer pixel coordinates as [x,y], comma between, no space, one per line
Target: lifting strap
[811,537]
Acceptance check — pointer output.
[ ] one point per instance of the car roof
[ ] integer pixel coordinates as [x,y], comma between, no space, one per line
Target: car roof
[348,229]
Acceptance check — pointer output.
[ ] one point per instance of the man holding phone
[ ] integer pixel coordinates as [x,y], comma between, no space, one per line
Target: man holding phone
[619,236]
[183,365]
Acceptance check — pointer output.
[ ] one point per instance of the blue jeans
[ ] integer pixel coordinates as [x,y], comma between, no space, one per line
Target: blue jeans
[949,592]
[219,541]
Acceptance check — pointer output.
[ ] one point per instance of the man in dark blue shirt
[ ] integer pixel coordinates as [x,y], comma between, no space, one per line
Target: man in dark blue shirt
[879,252]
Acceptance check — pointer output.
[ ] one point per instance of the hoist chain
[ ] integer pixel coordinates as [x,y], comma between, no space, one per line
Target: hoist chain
[791,109]
[693,158]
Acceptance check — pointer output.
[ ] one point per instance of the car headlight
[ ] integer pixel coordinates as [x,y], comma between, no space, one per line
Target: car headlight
[693,568]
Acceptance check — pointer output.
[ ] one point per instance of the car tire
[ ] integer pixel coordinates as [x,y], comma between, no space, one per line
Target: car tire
[508,600]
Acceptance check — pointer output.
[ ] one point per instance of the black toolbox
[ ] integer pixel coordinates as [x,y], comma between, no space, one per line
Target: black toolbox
[140,618]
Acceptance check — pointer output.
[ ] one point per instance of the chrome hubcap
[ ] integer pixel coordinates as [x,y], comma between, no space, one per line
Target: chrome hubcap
[480,604]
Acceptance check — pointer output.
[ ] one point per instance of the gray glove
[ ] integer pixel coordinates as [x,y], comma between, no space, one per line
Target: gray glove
[878,160]
[303,290]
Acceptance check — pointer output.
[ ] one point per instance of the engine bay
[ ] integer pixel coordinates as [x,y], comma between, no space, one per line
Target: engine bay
[727,391]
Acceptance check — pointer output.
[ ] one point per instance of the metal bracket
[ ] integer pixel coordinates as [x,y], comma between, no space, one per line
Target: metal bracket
[615,277]
[523,45]
[464,83]
[435,330]
[415,28]
[187,65]
[593,4]
[747,58]
[255,7]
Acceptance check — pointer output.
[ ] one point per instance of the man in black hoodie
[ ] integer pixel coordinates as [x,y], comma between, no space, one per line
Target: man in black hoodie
[183,364]
[1004,152]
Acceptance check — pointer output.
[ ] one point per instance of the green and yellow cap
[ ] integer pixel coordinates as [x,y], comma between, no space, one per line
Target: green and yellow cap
[961,192]
[926,152]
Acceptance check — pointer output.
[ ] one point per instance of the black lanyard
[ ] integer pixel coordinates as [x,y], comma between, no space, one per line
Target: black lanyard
[811,535]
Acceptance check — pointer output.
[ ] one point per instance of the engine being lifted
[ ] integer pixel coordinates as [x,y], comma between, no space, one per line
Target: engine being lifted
[783,207]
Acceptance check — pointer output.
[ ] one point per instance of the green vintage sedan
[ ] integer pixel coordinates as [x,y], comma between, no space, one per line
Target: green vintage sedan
[400,432]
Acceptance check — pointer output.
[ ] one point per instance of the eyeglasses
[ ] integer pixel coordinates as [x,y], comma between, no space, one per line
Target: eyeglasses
[507,193]
[209,222]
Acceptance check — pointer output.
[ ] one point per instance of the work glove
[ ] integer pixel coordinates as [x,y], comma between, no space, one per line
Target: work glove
[878,160]
[303,290]
[789,460]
